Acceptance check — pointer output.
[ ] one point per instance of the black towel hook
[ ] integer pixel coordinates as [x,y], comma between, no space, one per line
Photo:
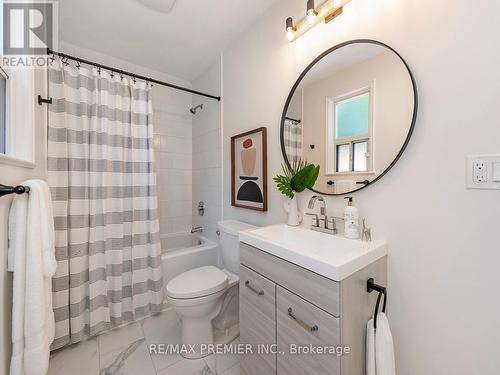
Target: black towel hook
[370,287]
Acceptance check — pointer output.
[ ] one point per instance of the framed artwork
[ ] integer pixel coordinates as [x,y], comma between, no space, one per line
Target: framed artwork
[249,170]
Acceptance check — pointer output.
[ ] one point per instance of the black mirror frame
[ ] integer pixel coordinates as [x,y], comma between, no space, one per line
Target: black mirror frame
[310,66]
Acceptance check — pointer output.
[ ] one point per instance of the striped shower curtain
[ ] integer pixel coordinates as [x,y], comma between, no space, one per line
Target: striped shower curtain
[100,170]
[292,136]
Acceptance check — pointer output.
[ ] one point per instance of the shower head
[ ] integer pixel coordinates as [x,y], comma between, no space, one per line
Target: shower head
[195,109]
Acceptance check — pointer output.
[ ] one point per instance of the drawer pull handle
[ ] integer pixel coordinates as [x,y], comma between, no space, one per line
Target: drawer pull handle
[304,325]
[259,292]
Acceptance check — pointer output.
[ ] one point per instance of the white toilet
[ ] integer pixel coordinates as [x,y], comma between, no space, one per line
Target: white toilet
[202,294]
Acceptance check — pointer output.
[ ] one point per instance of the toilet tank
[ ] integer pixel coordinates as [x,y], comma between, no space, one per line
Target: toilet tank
[229,243]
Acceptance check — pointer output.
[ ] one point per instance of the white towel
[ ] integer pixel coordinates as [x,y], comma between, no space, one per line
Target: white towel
[32,259]
[370,348]
[384,347]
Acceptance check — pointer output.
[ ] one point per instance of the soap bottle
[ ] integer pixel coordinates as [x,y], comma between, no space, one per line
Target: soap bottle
[351,220]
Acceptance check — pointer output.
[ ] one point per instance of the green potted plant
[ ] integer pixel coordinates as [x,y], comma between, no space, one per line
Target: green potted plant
[296,177]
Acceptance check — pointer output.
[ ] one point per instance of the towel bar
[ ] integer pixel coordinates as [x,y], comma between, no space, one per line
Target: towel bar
[6,190]
[370,287]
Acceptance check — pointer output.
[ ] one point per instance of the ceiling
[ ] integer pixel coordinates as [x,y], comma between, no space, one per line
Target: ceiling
[183,41]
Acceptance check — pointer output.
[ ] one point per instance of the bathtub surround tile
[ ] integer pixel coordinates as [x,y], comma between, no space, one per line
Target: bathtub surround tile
[175,208]
[173,154]
[132,360]
[178,224]
[78,359]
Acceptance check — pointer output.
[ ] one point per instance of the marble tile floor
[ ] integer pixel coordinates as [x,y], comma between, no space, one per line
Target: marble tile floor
[124,351]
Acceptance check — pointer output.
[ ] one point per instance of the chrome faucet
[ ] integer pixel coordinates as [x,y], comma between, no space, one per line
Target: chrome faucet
[196,230]
[321,223]
[312,204]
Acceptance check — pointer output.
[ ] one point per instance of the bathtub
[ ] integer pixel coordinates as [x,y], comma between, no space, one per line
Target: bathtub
[184,251]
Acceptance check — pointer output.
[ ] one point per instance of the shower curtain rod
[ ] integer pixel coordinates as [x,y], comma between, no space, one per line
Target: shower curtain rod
[147,79]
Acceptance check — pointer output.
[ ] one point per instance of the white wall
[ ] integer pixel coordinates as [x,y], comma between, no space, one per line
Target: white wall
[444,258]
[173,140]
[207,152]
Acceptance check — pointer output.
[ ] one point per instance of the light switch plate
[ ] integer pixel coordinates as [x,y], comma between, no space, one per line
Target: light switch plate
[483,172]
[496,171]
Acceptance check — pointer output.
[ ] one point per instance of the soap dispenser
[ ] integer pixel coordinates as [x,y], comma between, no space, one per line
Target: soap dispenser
[351,220]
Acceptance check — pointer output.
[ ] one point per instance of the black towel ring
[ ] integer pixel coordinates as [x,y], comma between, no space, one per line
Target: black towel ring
[370,287]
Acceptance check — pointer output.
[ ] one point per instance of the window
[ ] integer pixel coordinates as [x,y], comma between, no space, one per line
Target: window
[3,109]
[350,133]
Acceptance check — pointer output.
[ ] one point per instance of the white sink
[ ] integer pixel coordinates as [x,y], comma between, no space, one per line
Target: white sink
[334,257]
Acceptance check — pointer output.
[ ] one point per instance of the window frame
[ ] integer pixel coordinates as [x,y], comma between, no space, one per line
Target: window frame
[19,118]
[332,142]
[5,107]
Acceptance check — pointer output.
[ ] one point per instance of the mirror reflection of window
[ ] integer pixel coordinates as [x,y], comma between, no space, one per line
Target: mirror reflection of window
[356,104]
[352,126]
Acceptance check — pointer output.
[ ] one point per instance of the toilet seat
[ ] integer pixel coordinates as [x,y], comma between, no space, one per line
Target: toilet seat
[196,283]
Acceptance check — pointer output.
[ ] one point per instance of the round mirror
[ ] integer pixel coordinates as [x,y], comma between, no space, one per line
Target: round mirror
[352,111]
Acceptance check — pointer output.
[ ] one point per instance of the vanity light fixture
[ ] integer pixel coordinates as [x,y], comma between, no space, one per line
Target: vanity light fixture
[327,11]
[311,12]
[290,29]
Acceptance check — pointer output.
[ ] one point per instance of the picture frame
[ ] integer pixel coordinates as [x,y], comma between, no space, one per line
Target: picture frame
[249,170]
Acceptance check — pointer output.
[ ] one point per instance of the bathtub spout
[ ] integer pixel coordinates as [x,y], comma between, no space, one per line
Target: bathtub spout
[196,230]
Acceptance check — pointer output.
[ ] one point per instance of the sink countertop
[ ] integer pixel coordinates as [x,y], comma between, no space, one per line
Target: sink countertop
[331,256]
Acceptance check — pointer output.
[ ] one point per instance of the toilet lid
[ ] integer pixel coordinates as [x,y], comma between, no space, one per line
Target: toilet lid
[198,282]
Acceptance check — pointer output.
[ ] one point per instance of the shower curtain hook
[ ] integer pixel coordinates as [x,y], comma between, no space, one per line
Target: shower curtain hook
[78,65]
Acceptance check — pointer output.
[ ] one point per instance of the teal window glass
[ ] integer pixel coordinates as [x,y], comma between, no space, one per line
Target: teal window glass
[353,116]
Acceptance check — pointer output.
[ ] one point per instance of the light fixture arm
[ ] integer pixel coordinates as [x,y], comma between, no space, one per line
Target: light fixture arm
[326,12]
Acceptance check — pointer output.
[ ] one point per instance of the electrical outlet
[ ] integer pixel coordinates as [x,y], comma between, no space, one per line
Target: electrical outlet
[479,172]
[483,172]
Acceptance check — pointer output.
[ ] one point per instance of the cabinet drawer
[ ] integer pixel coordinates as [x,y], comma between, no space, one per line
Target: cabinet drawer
[257,321]
[319,290]
[301,323]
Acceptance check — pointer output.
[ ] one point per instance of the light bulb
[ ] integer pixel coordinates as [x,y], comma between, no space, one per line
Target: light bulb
[337,3]
[290,29]
[311,17]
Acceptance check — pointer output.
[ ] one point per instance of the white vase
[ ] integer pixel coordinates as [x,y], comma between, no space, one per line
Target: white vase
[294,216]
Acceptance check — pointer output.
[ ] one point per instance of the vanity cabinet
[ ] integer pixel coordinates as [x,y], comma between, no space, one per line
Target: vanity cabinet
[288,306]
[258,309]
